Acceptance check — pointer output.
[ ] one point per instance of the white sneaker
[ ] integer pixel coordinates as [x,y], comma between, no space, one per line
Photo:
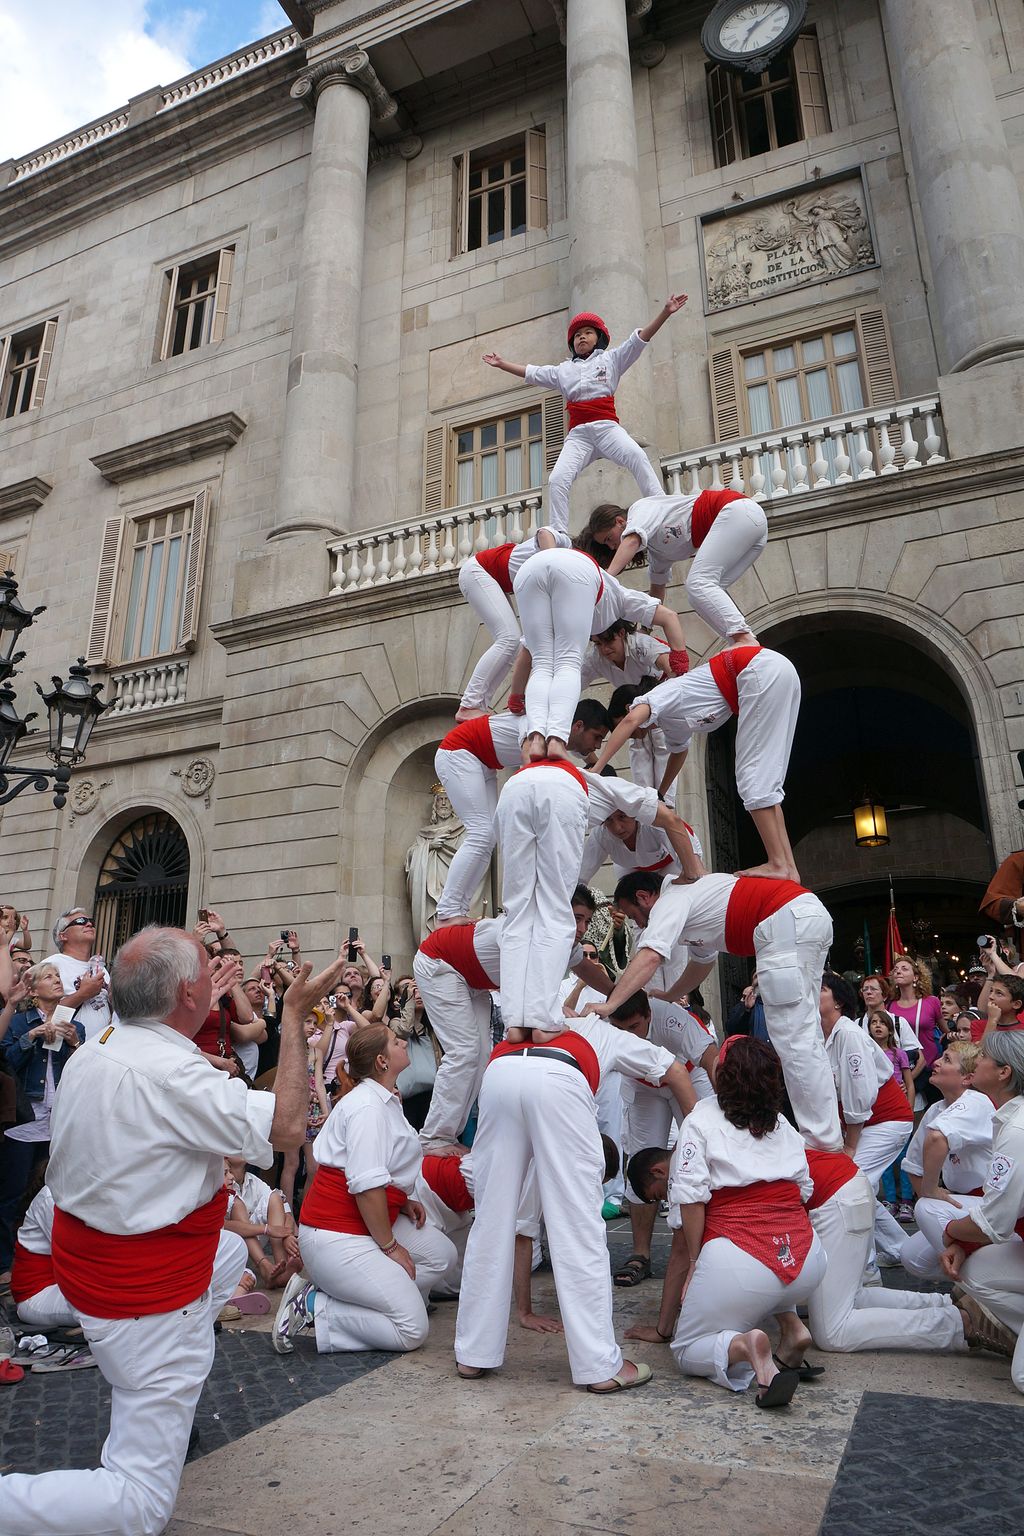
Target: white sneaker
[293,1315]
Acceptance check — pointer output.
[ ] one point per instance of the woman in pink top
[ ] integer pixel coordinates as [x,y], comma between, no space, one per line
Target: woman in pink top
[913,1000]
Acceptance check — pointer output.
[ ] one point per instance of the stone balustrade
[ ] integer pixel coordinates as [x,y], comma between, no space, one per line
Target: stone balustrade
[818,456]
[153,686]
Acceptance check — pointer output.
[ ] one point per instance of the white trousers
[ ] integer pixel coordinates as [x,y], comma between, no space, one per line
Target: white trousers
[473,792]
[844,1315]
[156,1367]
[737,536]
[461,1018]
[48,1308]
[611,1123]
[995,1275]
[730,1293]
[556,591]
[364,1300]
[790,947]
[542,823]
[921,1252]
[493,609]
[596,440]
[768,693]
[648,760]
[534,1107]
[877,1147]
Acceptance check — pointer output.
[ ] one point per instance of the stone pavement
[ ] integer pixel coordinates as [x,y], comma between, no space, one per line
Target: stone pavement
[888,1444]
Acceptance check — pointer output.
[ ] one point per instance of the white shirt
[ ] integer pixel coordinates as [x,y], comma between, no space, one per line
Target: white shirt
[860,1068]
[94,1013]
[675,1029]
[255,1195]
[141,1126]
[36,1231]
[694,914]
[1003,1199]
[368,1136]
[527,547]
[507,732]
[966,1124]
[606,795]
[687,706]
[711,1153]
[663,526]
[619,1051]
[588,378]
[619,602]
[652,845]
[908,1041]
[642,653]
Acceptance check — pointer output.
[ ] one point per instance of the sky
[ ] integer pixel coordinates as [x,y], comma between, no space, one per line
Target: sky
[66,62]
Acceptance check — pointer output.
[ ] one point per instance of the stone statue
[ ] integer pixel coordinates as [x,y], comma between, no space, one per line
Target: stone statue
[428,861]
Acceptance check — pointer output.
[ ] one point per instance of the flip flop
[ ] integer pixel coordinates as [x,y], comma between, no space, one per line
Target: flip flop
[636,1269]
[252,1303]
[803,1368]
[624,1383]
[779,1390]
[10,1373]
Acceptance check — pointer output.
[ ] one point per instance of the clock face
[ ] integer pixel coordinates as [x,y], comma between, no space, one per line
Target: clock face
[755,27]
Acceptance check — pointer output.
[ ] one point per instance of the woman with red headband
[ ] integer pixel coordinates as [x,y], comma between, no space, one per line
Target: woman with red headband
[589,381]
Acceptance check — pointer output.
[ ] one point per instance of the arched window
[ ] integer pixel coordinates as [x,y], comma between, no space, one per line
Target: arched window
[143,879]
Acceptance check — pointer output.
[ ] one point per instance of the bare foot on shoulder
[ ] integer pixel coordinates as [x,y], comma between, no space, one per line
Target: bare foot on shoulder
[557,751]
[452,922]
[545,1036]
[533,749]
[517,1036]
[465,713]
[772,872]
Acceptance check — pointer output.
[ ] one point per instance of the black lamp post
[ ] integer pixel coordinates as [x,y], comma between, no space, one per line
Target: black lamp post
[72,708]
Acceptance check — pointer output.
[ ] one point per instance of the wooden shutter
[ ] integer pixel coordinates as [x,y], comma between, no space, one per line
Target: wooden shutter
[434,497]
[723,114]
[810,86]
[725,404]
[222,297]
[876,357]
[7,560]
[5,357]
[554,429]
[188,630]
[171,282]
[43,365]
[536,179]
[460,203]
[103,602]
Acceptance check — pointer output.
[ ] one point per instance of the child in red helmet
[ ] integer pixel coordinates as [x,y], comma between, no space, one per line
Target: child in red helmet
[588,381]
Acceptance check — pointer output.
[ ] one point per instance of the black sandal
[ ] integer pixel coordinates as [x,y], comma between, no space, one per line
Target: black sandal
[803,1368]
[779,1390]
[636,1269]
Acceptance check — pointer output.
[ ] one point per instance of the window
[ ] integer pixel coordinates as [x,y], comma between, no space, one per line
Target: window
[503,455]
[148,586]
[752,114]
[500,191]
[196,297]
[24,368]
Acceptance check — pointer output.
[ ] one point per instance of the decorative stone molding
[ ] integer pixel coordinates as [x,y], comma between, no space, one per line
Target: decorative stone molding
[84,796]
[407,148]
[181,445]
[638,7]
[348,69]
[197,778]
[558,6]
[24,495]
[649,52]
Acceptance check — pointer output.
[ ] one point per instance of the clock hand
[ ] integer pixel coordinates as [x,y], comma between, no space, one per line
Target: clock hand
[753,29]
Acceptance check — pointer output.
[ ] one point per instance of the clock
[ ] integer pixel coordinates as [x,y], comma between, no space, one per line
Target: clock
[747,34]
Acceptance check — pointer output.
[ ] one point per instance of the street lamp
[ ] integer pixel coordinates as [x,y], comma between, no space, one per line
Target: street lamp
[72,707]
[870,828]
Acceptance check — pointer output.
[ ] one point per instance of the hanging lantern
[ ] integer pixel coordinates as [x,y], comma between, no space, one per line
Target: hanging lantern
[870,828]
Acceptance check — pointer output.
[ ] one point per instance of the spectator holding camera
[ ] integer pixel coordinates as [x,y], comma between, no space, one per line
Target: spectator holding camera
[1002,978]
[85,978]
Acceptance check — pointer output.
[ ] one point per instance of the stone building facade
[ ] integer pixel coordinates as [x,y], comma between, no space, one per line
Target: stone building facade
[246,436]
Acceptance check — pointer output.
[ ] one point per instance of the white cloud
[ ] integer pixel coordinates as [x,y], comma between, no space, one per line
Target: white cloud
[65,64]
[271,19]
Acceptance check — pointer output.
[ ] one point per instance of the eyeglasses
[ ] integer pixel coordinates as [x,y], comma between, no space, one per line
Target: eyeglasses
[79,922]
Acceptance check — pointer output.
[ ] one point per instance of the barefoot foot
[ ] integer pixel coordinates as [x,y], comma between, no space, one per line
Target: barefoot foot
[466,713]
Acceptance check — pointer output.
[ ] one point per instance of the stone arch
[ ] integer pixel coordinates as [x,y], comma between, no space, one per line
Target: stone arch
[84,850]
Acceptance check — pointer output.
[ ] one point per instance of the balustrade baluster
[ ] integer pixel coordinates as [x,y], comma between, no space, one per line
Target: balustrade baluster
[430,556]
[886,451]
[447,545]
[715,460]
[693,467]
[353,566]
[843,476]
[384,563]
[798,469]
[368,567]
[736,478]
[757,476]
[908,444]
[159,691]
[932,441]
[674,482]
[514,524]
[774,446]
[465,522]
[398,570]
[416,553]
[819,463]
[862,451]
[337,572]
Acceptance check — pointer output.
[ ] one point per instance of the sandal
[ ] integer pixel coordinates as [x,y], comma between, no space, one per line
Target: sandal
[779,1390]
[251,1303]
[804,1369]
[636,1269]
[624,1383]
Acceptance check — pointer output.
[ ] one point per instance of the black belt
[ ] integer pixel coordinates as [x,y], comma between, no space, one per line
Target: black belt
[542,1050]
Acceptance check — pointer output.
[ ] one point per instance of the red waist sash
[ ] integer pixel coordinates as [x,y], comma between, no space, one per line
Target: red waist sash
[444,1176]
[891,1104]
[116,1274]
[766,1220]
[726,668]
[652,869]
[330,1205]
[495,563]
[557,762]
[751,901]
[576,1046]
[473,736]
[705,509]
[580,412]
[30,1273]
[455,947]
[830,1171]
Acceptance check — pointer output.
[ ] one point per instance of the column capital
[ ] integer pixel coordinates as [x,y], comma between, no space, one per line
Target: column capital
[353,69]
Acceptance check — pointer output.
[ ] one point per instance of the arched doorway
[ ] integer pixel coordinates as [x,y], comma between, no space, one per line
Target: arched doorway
[880,713]
[143,879]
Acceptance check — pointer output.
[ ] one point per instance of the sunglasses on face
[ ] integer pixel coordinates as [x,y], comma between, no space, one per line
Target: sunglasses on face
[79,922]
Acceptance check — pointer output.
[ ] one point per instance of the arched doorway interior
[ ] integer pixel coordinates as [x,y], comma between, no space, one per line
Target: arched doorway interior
[143,879]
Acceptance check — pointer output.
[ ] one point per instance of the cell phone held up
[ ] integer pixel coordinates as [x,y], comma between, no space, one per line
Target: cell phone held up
[385,961]
[353,934]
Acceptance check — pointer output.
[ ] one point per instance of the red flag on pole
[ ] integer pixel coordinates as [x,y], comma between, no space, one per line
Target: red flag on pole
[893,942]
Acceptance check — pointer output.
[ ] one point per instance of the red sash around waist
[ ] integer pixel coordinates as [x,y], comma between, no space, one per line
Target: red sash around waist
[495,563]
[455,947]
[30,1273]
[652,869]
[766,1220]
[891,1104]
[970,1248]
[330,1205]
[557,762]
[473,736]
[705,509]
[830,1171]
[726,668]
[752,900]
[444,1176]
[116,1274]
[580,412]
[576,1046]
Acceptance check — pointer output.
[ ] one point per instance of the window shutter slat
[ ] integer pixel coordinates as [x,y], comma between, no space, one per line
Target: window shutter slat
[810,86]
[875,349]
[43,365]
[171,279]
[8,558]
[536,179]
[724,395]
[433,470]
[460,204]
[225,271]
[103,602]
[723,117]
[5,383]
[554,430]
[189,629]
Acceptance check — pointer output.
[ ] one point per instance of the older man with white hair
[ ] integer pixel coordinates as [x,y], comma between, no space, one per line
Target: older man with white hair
[141,1127]
[85,978]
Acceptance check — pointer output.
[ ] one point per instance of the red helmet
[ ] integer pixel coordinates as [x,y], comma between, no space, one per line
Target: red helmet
[585,318]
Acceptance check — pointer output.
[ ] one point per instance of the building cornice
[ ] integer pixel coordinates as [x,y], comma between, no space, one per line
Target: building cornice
[181,445]
[311,618]
[23,496]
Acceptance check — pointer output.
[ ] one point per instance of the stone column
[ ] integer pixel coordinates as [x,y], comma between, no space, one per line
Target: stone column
[318,447]
[969,199]
[607,268]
